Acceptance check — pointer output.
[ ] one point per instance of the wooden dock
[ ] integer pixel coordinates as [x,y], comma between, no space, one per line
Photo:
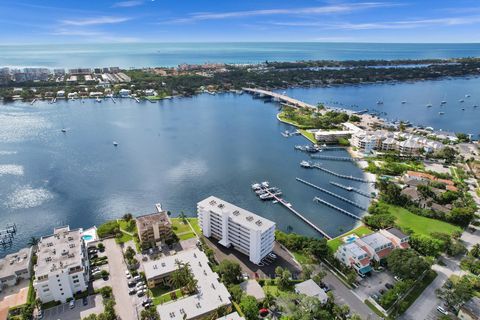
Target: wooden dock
[337,174]
[349,188]
[334,158]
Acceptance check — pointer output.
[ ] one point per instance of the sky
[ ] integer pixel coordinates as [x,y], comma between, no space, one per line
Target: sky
[104,21]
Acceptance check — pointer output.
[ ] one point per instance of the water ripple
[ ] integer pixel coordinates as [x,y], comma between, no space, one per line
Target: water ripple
[28,197]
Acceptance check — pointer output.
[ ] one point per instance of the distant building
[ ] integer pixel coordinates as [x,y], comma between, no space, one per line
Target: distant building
[59,72]
[62,267]
[15,266]
[211,293]
[124,93]
[60,94]
[470,310]
[352,255]
[247,232]
[311,289]
[150,93]
[154,228]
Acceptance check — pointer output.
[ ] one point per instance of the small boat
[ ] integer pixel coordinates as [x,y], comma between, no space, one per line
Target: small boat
[463,109]
[441,113]
[475,106]
[403,102]
[467,95]
[305,164]
[259,192]
[265,184]
[443,102]
[461,100]
[379,102]
[275,201]
[115,143]
[64,130]
[256,186]
[98,100]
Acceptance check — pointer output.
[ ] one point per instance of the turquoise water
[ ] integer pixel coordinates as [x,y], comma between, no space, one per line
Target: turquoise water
[87,237]
[172,54]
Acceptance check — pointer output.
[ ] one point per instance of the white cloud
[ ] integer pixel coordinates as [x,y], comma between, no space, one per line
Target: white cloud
[321,10]
[127,4]
[95,21]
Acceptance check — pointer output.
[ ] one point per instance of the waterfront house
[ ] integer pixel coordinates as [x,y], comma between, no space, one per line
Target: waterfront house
[233,226]
[62,268]
[398,238]
[353,255]
[377,245]
[311,289]
[210,295]
[124,93]
[154,228]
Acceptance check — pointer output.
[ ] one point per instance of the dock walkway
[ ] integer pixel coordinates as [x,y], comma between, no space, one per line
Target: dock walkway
[328,204]
[353,203]
[349,188]
[337,174]
[335,158]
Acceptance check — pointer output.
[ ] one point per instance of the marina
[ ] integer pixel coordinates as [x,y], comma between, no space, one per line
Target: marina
[276,199]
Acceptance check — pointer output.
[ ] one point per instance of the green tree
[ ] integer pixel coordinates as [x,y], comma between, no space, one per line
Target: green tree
[230,272]
[475,251]
[127,217]
[249,307]
[149,314]
[406,263]
[236,292]
[284,280]
[33,241]
[457,293]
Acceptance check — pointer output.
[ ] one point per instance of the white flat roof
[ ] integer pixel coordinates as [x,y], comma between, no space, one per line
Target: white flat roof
[232,316]
[211,293]
[238,215]
[311,289]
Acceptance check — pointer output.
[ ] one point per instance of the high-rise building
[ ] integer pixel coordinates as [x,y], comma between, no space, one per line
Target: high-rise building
[233,226]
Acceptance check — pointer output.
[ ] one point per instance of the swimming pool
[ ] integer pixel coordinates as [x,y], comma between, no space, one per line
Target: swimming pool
[87,237]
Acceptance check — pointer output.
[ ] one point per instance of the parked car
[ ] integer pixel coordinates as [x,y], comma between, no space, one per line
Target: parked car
[140,284]
[388,285]
[132,291]
[141,293]
[375,297]
[71,304]
[442,310]
[85,301]
[131,284]
[137,278]
[397,278]
[273,255]
[148,305]
[382,291]
[146,301]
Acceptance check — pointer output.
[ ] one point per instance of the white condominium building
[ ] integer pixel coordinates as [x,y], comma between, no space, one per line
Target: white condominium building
[62,267]
[236,227]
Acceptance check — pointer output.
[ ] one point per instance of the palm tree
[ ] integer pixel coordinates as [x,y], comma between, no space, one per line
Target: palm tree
[183,217]
[33,241]
[475,251]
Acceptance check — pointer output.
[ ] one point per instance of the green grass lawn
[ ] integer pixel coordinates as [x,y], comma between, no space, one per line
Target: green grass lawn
[195,225]
[359,231]
[302,257]
[179,226]
[274,291]
[310,136]
[124,225]
[419,224]
[124,238]
[158,297]
[185,236]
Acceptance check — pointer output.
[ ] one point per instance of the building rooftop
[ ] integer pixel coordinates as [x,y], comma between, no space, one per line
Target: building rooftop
[236,214]
[211,294]
[355,249]
[146,221]
[60,250]
[232,316]
[311,289]
[397,233]
[15,262]
[375,240]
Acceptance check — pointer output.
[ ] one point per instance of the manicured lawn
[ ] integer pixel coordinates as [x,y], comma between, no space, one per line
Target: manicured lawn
[273,290]
[195,225]
[124,238]
[302,257]
[310,136]
[359,231]
[185,236]
[419,224]
[124,225]
[159,299]
[179,226]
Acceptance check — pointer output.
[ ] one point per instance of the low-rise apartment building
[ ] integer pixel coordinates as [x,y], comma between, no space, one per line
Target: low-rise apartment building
[62,267]
[398,238]
[211,294]
[154,228]
[235,227]
[377,245]
[352,255]
[14,267]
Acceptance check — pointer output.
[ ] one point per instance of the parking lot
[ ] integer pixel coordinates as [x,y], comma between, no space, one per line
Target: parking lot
[63,311]
[374,284]
[267,270]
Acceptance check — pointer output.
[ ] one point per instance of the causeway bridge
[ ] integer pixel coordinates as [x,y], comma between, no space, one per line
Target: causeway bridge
[280,97]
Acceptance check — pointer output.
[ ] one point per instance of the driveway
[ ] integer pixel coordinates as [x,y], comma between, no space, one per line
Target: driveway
[125,304]
[373,283]
[343,295]
[63,311]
